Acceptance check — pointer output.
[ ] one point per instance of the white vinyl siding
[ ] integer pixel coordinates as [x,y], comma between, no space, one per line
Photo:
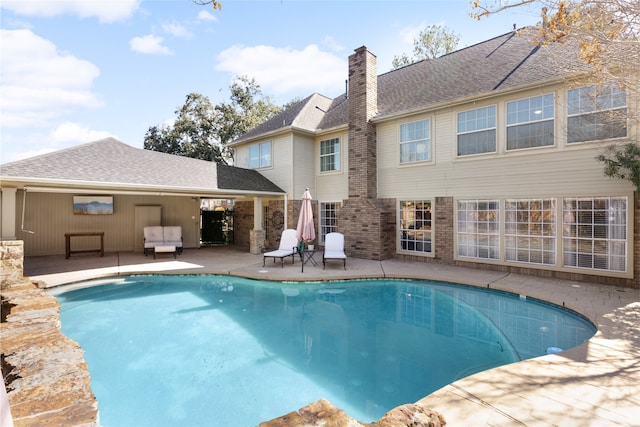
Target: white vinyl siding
[477,131]
[415,141]
[595,233]
[596,113]
[530,122]
[478,229]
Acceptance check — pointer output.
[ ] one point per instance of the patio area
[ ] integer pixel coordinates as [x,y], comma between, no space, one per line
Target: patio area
[595,384]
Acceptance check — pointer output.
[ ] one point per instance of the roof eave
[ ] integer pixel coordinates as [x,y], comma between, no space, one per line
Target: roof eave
[53,185]
[459,101]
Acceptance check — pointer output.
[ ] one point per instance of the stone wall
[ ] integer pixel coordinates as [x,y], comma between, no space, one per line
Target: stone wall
[45,374]
[11,261]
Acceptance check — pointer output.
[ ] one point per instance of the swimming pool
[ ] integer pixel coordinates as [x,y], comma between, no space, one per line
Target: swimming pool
[227,351]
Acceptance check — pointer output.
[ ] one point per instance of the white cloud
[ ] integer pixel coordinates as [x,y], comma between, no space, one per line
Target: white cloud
[332,44]
[76,133]
[104,11]
[149,44]
[177,30]
[18,146]
[39,83]
[285,70]
[207,16]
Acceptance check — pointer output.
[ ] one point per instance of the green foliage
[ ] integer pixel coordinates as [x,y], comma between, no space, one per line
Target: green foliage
[202,131]
[247,109]
[432,42]
[623,162]
[193,133]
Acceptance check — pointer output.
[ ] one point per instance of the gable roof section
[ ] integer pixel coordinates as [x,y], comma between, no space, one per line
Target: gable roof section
[111,164]
[504,63]
[304,115]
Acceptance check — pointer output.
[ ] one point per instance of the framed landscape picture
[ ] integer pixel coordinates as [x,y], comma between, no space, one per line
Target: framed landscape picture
[92,205]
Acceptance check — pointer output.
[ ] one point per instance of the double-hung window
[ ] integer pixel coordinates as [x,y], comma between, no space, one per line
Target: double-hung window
[415,226]
[260,155]
[596,113]
[530,231]
[330,155]
[415,141]
[328,219]
[530,122]
[477,131]
[594,231]
[478,233]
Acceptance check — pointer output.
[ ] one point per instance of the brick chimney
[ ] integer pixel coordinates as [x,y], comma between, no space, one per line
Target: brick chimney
[367,222]
[363,104]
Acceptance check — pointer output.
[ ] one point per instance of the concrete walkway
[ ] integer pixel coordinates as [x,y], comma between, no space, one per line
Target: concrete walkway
[595,384]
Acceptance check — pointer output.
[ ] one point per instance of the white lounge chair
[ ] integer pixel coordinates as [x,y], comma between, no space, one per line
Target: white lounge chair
[334,249]
[288,247]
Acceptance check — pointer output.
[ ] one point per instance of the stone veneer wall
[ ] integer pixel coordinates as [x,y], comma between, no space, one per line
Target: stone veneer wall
[44,372]
[11,261]
[444,251]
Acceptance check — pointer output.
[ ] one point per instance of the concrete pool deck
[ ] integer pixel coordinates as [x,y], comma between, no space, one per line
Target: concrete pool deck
[595,384]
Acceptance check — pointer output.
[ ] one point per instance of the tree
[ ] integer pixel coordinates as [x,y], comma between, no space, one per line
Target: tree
[432,42]
[193,133]
[607,34]
[622,162]
[215,4]
[247,109]
[202,131]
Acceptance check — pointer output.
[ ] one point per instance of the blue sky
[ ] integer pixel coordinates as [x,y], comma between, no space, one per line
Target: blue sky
[74,71]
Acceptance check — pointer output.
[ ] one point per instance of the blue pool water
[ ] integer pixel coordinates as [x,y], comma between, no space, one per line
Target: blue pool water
[224,351]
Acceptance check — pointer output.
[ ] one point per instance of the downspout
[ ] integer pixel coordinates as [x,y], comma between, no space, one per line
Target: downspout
[24,203]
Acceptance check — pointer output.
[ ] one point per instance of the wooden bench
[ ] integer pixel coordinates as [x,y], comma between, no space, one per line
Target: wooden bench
[67,243]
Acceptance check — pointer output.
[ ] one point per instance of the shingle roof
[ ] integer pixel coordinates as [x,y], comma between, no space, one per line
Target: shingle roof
[505,62]
[303,115]
[236,179]
[109,161]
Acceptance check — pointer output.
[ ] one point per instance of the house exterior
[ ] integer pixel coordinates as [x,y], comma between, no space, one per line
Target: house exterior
[484,157]
[144,188]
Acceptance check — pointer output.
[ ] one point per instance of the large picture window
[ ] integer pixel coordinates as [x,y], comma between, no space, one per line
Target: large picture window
[596,113]
[478,232]
[328,219]
[415,226]
[330,155]
[477,131]
[260,155]
[415,141]
[594,232]
[530,122]
[530,231]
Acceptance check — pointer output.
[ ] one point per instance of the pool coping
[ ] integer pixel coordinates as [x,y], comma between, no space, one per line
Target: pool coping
[597,383]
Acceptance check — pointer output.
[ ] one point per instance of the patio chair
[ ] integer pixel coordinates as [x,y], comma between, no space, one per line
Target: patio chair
[334,249]
[288,247]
